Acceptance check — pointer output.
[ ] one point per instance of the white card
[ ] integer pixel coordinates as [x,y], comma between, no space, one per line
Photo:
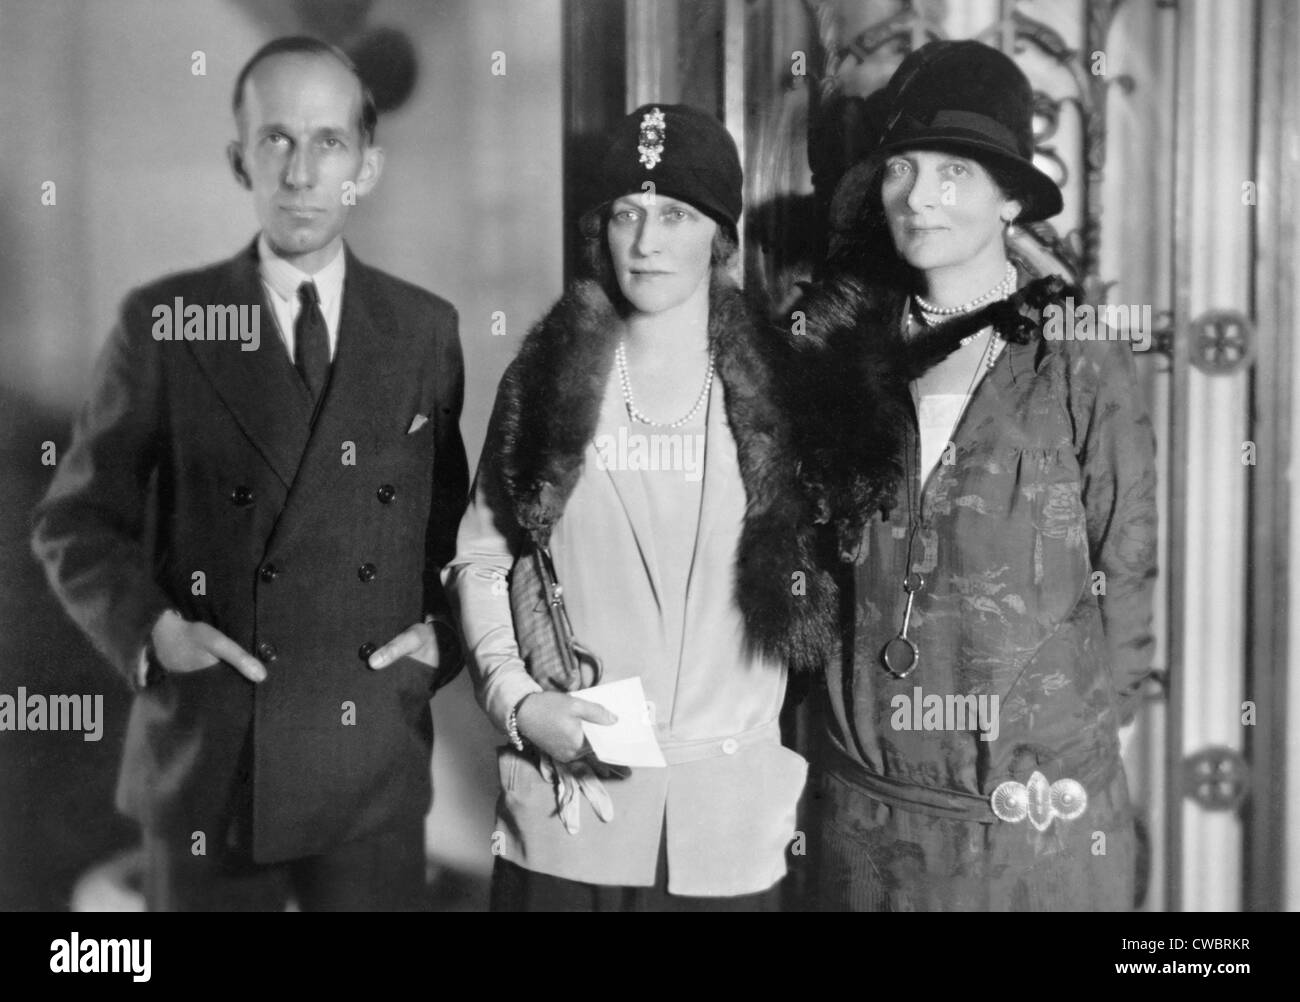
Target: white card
[631,741]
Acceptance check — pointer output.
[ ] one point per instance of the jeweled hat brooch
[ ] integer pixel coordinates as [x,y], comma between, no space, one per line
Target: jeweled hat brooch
[650,142]
[704,169]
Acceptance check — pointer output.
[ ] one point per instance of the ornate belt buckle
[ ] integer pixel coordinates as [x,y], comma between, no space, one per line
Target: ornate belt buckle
[1039,801]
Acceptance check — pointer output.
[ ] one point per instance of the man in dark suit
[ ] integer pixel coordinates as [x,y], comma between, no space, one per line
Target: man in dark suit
[241,523]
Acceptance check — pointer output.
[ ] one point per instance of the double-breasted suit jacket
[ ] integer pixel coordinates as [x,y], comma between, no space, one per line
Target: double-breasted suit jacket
[199,479]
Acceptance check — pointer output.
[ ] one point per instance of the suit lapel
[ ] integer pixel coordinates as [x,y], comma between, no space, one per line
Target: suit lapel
[261,388]
[365,399]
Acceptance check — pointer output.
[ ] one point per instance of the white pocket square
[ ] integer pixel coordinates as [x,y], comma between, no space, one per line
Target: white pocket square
[417,422]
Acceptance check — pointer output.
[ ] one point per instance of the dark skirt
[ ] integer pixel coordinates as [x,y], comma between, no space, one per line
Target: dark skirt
[878,857]
[515,889]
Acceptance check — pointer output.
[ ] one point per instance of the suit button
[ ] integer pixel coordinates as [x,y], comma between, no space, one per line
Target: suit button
[729,746]
[266,652]
[386,493]
[366,572]
[268,572]
[365,650]
[242,496]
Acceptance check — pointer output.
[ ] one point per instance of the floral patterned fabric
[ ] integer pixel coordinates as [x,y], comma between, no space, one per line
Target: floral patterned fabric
[875,857]
[1036,542]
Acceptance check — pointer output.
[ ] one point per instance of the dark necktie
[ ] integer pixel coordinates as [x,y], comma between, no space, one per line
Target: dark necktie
[311,346]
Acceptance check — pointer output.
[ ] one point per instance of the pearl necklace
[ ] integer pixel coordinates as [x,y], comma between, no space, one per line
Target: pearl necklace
[999,291]
[625,381]
[933,315]
[991,351]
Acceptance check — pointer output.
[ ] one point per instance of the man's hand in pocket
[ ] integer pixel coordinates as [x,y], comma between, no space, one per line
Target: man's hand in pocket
[182,646]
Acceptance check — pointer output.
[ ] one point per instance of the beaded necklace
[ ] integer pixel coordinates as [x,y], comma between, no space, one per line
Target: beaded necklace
[932,315]
[625,381]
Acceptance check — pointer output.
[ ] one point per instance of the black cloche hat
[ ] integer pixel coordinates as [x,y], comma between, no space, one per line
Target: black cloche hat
[684,152]
[966,97]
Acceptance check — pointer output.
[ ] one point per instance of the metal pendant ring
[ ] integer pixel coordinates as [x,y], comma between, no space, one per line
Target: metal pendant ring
[904,659]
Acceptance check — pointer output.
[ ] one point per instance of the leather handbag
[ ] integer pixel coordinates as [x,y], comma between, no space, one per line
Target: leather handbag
[554,656]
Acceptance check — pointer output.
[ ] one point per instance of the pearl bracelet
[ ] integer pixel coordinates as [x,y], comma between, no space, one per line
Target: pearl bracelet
[512,726]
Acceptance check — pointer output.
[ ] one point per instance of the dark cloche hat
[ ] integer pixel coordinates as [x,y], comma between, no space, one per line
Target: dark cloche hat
[684,152]
[969,98]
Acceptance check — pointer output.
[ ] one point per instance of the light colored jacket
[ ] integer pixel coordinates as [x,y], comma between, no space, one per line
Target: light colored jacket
[726,802]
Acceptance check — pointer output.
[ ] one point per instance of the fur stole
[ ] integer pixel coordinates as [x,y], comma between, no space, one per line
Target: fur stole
[852,388]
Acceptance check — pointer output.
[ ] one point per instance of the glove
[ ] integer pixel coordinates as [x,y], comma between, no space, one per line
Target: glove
[580,776]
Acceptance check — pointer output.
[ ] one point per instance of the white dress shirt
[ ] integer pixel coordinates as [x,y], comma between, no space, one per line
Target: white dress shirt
[281,280]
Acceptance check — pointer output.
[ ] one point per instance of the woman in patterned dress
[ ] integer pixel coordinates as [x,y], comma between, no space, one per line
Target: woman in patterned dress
[988,486]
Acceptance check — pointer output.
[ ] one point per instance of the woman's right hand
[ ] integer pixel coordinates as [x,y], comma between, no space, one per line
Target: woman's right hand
[553,722]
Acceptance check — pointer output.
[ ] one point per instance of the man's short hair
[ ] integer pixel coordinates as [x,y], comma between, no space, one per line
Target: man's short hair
[309,46]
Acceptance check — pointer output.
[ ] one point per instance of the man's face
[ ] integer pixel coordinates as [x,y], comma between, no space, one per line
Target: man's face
[302,154]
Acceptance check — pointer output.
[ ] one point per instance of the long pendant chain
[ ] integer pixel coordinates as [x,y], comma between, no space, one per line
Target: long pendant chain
[901,655]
